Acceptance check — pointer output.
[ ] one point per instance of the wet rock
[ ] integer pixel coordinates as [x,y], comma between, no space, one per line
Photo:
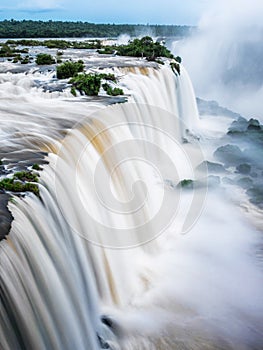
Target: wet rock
[243,168]
[213,181]
[103,344]
[253,124]
[238,126]
[112,324]
[170,184]
[228,181]
[229,155]
[211,167]
[245,182]
[255,194]
[247,131]
[5,215]
[213,108]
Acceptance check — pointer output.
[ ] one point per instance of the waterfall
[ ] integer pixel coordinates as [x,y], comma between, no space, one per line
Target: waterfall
[105,230]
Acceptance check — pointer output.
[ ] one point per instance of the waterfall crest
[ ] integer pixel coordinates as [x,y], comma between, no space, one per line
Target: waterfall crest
[105,237]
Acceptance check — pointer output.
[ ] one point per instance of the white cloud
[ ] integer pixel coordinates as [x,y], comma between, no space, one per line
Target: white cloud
[40,5]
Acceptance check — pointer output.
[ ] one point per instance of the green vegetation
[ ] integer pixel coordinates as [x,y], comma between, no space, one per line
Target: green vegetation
[88,84]
[144,47]
[175,67]
[23,42]
[58,29]
[36,167]
[17,58]
[26,176]
[57,44]
[7,51]
[25,60]
[112,91]
[69,69]
[44,59]
[107,50]
[178,59]
[73,91]
[187,183]
[21,182]
[108,76]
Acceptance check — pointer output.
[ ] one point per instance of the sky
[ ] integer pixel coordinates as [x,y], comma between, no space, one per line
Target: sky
[107,11]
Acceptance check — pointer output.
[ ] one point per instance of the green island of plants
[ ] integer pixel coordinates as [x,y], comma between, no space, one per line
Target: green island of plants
[89,84]
[22,181]
[44,59]
[144,47]
[8,51]
[69,69]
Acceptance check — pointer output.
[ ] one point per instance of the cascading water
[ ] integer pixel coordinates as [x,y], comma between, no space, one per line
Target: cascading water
[105,237]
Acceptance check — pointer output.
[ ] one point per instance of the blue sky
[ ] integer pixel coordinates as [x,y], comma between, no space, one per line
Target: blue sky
[107,11]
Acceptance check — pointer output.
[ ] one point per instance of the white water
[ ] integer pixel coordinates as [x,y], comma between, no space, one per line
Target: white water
[105,186]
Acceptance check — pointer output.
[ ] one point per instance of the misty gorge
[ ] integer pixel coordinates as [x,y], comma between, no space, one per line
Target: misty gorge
[131,178]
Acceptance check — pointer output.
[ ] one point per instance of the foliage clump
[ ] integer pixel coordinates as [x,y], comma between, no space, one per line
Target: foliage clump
[144,47]
[22,181]
[187,183]
[44,59]
[106,50]
[112,91]
[69,69]
[108,76]
[8,51]
[36,166]
[25,60]
[88,84]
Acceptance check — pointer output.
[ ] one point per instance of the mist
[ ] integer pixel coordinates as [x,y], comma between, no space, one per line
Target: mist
[223,56]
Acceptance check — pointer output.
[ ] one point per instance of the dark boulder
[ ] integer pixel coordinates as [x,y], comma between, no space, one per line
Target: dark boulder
[230,155]
[245,182]
[5,215]
[211,167]
[243,168]
[253,124]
